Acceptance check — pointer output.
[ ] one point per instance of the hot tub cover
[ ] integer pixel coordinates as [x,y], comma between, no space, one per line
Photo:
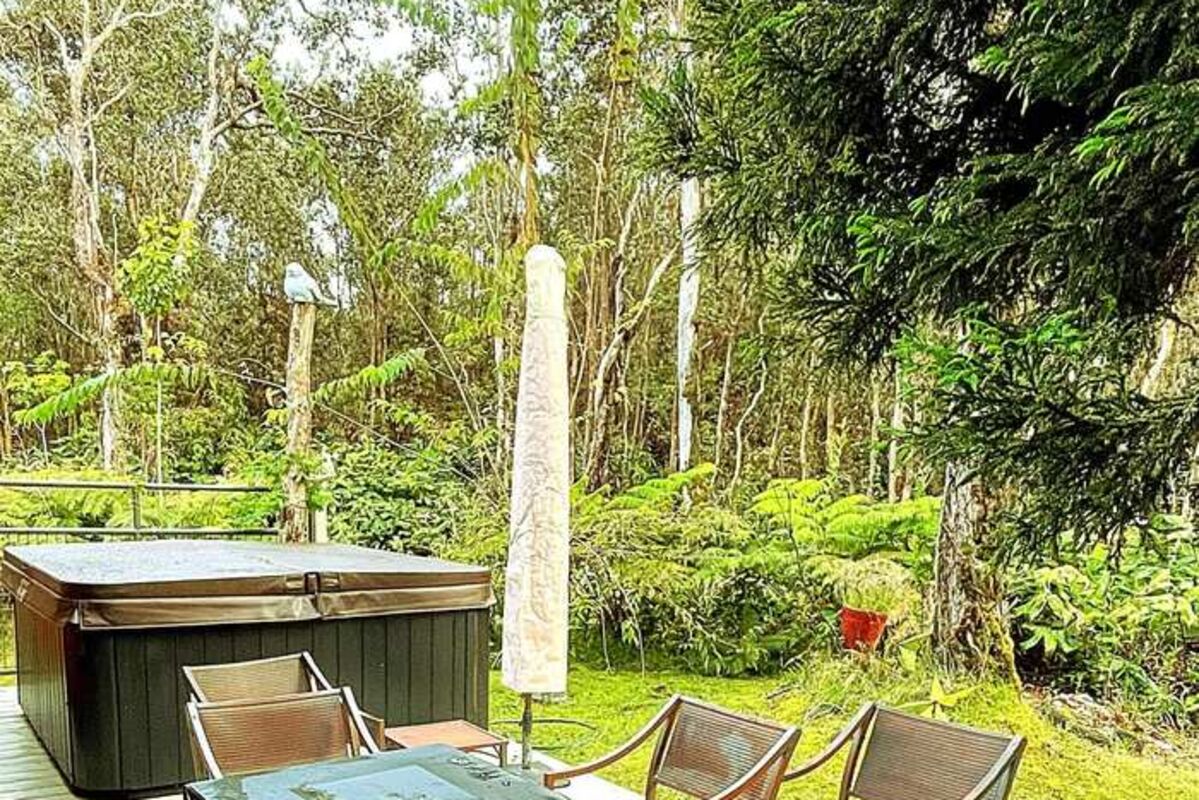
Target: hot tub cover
[180,583]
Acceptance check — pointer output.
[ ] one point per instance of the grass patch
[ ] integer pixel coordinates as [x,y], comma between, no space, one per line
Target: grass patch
[820,698]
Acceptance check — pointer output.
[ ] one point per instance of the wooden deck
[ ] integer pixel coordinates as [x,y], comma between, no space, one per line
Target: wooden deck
[27,773]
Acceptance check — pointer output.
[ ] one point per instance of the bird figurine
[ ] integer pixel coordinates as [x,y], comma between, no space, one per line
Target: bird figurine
[300,287]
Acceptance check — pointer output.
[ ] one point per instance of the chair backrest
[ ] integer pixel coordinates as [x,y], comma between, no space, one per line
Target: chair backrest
[247,680]
[903,757]
[243,736]
[704,750]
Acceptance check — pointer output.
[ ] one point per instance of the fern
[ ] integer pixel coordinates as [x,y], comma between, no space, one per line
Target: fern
[143,373]
[658,492]
[375,376]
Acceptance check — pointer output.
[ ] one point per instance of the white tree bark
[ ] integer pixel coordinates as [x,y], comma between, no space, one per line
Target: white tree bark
[76,63]
[1165,345]
[894,473]
[740,429]
[689,205]
[875,423]
[205,153]
[689,208]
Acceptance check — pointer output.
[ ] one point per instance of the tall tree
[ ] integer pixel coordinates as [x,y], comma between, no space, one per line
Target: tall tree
[689,209]
[1012,201]
[79,47]
[525,90]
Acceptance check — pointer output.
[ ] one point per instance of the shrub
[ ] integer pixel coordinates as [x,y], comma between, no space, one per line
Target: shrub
[411,500]
[1119,628]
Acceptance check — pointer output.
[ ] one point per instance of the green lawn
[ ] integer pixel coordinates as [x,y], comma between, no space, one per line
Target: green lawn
[1057,765]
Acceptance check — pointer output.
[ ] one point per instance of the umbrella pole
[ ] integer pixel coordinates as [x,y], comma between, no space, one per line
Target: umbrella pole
[526,733]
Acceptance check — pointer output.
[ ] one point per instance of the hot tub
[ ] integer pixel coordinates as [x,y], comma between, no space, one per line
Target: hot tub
[104,628]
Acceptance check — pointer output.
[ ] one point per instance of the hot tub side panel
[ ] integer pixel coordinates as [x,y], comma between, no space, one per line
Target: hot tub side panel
[42,683]
[127,686]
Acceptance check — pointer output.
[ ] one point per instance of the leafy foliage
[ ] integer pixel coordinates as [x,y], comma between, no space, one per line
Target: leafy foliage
[1020,180]
[155,276]
[874,583]
[852,526]
[940,702]
[375,376]
[145,373]
[1119,630]
[1047,410]
[401,501]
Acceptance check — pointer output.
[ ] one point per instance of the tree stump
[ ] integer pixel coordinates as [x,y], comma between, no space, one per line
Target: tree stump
[295,524]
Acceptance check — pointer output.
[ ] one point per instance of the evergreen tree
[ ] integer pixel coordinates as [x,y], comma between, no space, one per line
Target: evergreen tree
[1008,192]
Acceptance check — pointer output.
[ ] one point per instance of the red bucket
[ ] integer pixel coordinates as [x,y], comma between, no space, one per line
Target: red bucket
[861,630]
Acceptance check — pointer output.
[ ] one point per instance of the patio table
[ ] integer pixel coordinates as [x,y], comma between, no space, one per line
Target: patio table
[434,772]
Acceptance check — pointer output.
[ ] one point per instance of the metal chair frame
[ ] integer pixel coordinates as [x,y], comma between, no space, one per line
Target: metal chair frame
[195,675]
[317,682]
[206,759]
[857,734]
[664,721]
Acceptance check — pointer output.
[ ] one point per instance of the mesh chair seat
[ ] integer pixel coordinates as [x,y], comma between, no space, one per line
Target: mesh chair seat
[242,736]
[897,756]
[912,758]
[245,680]
[706,752]
[707,749]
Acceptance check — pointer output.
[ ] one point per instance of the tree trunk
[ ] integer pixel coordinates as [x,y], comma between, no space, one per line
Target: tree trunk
[526,70]
[723,406]
[832,443]
[76,61]
[600,402]
[295,525]
[110,352]
[739,432]
[967,631]
[689,208]
[805,425]
[85,231]
[204,155]
[689,204]
[159,450]
[1165,345]
[875,423]
[5,422]
[894,473]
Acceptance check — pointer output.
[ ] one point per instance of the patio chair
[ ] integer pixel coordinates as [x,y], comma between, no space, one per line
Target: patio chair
[705,752]
[237,737]
[263,678]
[897,756]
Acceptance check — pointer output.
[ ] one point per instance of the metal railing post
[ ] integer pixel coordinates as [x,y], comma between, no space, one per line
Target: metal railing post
[135,497]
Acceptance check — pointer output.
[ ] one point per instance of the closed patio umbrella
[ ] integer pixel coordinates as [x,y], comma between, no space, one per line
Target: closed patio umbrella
[537,584]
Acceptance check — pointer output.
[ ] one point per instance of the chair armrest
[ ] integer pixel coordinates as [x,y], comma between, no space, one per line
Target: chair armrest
[861,718]
[782,749]
[357,719]
[377,727]
[557,778]
[314,672]
[1009,760]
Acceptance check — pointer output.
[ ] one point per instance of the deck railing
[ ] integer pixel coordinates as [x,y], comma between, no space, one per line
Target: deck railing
[137,530]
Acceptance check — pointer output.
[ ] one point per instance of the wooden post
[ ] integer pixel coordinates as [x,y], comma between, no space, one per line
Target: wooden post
[295,525]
